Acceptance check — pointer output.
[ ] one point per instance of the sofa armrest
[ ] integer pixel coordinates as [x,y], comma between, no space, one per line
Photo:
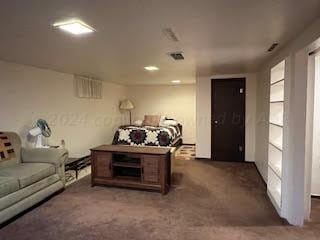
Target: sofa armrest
[56,156]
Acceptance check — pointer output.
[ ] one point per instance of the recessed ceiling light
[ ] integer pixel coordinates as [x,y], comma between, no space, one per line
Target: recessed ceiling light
[151,68]
[176,81]
[75,27]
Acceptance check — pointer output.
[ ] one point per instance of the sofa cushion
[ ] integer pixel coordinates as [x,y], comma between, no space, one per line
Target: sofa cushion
[8,185]
[28,173]
[17,196]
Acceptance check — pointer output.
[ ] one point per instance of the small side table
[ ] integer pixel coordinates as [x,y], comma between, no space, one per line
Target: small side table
[76,164]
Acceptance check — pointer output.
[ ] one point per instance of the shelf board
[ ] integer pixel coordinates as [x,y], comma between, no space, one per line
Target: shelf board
[276,124]
[126,164]
[276,171]
[275,145]
[276,99]
[274,83]
[274,186]
[128,178]
[275,160]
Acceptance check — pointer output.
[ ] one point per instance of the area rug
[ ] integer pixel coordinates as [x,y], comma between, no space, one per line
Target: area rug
[186,152]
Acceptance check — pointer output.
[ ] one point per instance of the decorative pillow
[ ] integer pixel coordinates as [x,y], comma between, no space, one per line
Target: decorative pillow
[151,120]
[162,119]
[6,148]
[170,123]
[138,123]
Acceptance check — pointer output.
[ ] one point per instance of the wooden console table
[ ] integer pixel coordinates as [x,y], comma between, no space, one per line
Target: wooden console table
[130,166]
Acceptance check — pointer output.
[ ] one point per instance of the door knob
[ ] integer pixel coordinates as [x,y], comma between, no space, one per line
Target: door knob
[215,122]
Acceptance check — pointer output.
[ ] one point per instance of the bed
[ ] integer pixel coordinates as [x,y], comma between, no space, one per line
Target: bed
[165,136]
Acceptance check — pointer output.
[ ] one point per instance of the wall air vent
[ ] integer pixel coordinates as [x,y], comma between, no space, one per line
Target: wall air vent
[177,56]
[273,46]
[169,33]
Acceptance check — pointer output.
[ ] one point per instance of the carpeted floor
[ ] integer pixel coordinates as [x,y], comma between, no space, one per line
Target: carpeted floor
[315,210]
[208,201]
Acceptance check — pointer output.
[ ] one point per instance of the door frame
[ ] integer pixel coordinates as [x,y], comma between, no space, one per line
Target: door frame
[244,79]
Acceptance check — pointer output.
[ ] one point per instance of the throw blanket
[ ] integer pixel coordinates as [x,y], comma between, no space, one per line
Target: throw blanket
[6,148]
[146,135]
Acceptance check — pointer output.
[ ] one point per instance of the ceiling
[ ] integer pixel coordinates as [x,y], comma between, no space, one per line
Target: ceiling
[216,36]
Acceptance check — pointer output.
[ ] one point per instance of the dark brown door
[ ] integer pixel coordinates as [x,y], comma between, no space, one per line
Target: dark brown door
[228,119]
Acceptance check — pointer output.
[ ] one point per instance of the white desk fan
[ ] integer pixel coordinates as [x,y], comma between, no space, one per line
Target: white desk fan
[42,129]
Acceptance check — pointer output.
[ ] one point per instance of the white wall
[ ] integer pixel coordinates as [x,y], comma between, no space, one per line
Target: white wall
[175,101]
[203,113]
[295,168]
[315,181]
[203,117]
[263,77]
[28,93]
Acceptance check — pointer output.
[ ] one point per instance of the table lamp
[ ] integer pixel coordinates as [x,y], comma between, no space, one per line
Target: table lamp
[127,105]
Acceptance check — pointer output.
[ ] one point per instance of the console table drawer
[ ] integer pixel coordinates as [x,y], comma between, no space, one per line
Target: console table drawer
[102,164]
[151,168]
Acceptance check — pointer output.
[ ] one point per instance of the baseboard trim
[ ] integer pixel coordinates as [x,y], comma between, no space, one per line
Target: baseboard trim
[200,158]
[206,159]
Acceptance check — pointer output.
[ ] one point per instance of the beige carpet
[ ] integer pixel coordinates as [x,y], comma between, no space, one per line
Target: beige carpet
[208,201]
[315,207]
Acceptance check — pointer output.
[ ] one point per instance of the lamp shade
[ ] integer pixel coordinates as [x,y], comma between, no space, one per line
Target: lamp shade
[126,105]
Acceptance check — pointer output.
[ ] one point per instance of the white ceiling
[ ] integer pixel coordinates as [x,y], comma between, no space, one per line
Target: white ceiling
[216,36]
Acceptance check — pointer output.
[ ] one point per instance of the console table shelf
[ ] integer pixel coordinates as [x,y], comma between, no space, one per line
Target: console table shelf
[126,164]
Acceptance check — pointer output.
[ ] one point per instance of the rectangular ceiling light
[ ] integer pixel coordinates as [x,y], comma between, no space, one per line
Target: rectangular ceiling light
[75,27]
[151,68]
[176,81]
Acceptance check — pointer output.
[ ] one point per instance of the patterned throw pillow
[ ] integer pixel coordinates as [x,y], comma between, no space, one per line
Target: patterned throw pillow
[151,120]
[6,148]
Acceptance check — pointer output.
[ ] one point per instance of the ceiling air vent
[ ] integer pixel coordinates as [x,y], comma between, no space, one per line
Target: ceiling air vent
[177,56]
[169,33]
[273,46]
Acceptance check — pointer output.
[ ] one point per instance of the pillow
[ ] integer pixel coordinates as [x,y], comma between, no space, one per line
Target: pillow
[151,120]
[162,119]
[170,123]
[6,148]
[138,123]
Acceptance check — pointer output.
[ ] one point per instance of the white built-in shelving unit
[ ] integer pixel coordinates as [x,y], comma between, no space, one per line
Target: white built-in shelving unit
[276,134]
